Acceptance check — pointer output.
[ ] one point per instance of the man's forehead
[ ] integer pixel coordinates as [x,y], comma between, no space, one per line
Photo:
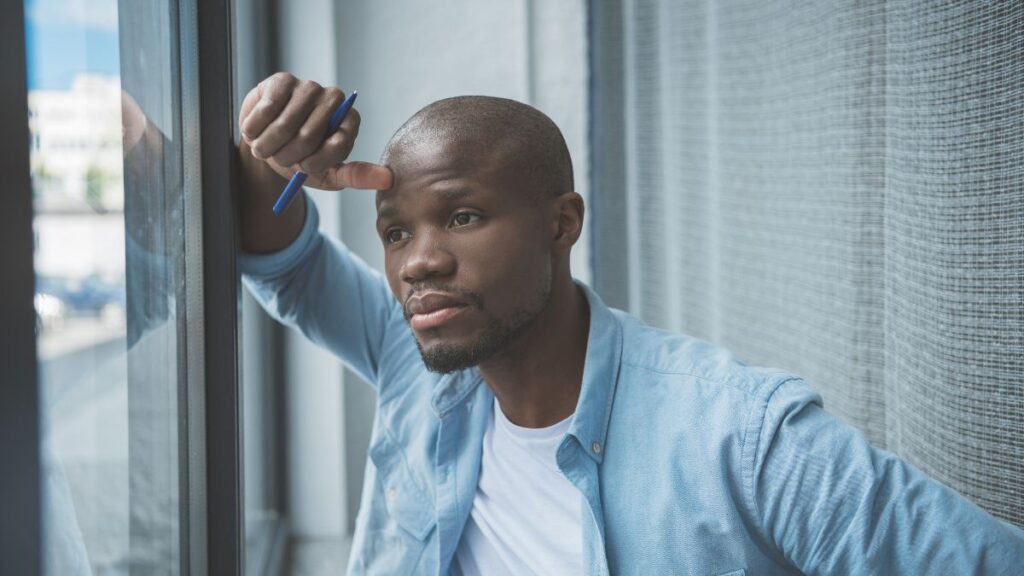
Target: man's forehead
[441,191]
[443,170]
[434,153]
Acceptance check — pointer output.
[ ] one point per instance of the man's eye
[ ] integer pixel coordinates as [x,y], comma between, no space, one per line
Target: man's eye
[395,235]
[464,218]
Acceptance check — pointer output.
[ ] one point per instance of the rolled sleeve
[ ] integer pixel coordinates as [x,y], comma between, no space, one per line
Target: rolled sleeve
[833,504]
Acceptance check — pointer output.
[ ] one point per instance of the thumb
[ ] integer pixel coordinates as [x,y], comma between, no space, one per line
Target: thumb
[363,175]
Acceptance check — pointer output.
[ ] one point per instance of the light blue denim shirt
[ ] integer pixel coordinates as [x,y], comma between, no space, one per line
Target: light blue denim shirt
[687,461]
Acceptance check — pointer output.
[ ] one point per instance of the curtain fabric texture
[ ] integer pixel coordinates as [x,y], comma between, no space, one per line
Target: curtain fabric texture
[836,189]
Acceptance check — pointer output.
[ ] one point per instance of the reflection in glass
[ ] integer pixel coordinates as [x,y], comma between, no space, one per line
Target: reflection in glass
[107,195]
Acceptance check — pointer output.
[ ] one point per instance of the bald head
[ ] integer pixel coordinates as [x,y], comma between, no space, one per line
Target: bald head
[517,140]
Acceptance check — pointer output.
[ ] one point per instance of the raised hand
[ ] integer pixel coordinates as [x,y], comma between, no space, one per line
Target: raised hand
[283,121]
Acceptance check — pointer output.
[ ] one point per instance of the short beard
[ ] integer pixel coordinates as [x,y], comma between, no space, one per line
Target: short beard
[499,333]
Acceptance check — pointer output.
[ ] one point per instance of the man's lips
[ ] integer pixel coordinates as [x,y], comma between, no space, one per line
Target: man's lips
[435,318]
[431,309]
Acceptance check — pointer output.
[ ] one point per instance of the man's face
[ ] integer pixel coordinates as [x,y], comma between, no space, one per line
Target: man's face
[466,252]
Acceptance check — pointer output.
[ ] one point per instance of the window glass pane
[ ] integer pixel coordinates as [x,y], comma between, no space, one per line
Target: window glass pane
[108,256]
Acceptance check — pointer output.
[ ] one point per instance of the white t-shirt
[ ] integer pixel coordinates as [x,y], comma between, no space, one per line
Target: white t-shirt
[526,514]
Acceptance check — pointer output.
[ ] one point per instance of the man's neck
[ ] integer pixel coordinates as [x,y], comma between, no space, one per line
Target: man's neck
[537,379]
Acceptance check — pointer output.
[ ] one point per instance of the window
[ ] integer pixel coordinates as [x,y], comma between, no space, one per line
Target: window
[108,260]
[127,440]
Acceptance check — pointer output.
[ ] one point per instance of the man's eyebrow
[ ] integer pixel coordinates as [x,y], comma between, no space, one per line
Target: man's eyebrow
[446,195]
[454,194]
[386,211]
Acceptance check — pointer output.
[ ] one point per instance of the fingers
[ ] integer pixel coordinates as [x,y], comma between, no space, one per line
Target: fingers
[361,175]
[291,122]
[311,135]
[284,122]
[285,172]
[133,123]
[264,103]
[248,104]
[336,148]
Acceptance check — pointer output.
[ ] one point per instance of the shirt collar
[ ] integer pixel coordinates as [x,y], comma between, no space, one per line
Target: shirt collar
[600,377]
[452,389]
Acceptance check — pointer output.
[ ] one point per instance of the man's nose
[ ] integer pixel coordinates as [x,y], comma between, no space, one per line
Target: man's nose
[428,257]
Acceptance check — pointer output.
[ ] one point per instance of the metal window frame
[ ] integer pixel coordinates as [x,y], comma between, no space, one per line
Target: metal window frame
[224,471]
[20,490]
[212,473]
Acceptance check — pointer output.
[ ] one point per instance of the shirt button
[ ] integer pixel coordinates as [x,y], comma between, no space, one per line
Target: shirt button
[596,448]
[392,494]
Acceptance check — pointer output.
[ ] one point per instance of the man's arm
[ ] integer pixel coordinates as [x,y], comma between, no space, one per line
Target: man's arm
[264,232]
[335,299]
[301,277]
[832,504]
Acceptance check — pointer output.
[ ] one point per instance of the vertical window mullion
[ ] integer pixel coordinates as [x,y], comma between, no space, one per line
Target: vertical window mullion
[193,401]
[20,495]
[220,282]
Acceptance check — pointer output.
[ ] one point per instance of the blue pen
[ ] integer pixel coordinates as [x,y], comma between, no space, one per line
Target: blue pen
[300,177]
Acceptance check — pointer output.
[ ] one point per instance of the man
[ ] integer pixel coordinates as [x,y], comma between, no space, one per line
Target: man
[524,427]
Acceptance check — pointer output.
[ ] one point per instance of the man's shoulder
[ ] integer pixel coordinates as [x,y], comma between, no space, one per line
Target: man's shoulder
[651,354]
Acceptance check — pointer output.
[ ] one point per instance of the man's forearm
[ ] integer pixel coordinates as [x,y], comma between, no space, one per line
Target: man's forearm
[264,232]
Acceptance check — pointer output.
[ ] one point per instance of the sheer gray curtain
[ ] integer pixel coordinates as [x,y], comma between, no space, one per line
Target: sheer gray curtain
[834,188]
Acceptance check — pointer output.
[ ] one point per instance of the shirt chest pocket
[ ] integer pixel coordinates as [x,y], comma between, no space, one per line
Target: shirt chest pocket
[407,501]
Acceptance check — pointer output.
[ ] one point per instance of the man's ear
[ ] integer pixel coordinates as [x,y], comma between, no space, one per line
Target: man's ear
[567,211]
